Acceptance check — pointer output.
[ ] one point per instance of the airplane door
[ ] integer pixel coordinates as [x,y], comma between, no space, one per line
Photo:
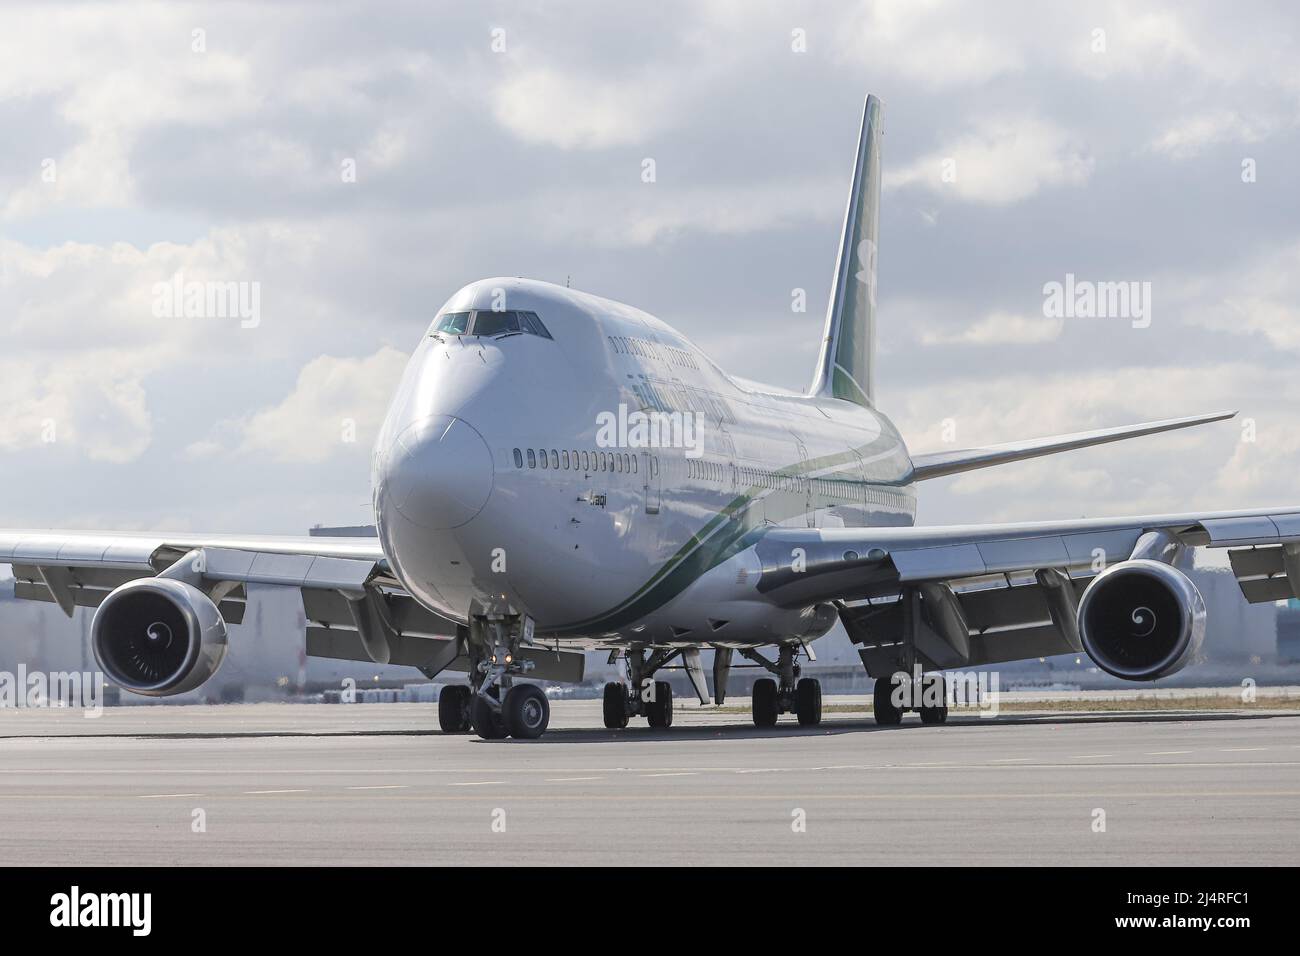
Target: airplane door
[809,510]
[653,482]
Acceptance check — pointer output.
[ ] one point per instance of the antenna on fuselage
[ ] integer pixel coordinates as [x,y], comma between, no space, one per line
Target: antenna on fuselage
[567,280]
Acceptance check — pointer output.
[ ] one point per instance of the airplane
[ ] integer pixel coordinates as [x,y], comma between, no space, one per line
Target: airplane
[559,473]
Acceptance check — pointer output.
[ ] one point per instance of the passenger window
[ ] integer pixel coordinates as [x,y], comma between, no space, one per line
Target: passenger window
[564,460]
[586,463]
[541,453]
[555,458]
[532,459]
[634,464]
[519,459]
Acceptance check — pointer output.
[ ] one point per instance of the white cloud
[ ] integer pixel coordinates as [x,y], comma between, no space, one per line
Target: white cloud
[575,111]
[1188,136]
[999,328]
[1004,161]
[335,408]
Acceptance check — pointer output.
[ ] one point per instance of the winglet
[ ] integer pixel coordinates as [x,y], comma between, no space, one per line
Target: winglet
[939,464]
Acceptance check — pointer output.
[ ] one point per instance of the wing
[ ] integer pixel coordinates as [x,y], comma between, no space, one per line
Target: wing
[1007,591]
[939,464]
[355,608]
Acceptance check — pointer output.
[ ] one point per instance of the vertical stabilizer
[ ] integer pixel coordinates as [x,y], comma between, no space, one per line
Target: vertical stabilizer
[846,365]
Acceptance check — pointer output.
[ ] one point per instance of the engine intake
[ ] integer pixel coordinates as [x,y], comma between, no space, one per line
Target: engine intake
[1141,620]
[158,637]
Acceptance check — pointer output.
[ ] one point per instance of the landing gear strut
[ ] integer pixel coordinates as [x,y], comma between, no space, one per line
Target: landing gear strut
[497,707]
[641,696]
[788,693]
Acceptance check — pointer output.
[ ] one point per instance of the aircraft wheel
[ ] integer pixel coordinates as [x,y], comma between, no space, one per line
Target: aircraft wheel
[887,715]
[766,705]
[937,714]
[526,711]
[453,709]
[615,705]
[808,702]
[486,720]
[660,710]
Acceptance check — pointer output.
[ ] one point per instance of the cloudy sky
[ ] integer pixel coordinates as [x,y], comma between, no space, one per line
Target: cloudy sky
[1152,142]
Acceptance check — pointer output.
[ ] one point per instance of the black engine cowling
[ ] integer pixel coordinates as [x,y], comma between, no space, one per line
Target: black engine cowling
[158,637]
[1141,620]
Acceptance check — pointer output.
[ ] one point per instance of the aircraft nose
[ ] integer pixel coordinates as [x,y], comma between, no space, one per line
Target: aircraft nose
[439,473]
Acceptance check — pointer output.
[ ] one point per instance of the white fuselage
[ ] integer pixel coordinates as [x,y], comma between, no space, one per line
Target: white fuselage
[612,542]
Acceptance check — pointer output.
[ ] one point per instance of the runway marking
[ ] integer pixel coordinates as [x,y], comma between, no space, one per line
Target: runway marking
[1089,756]
[476,783]
[162,796]
[680,773]
[382,786]
[1239,750]
[1164,753]
[1012,760]
[260,792]
[570,779]
[765,770]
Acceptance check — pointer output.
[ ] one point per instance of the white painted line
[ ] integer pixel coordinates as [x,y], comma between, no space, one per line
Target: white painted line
[164,796]
[477,783]
[386,786]
[1239,750]
[1089,756]
[570,779]
[1164,753]
[260,792]
[690,773]
[1012,760]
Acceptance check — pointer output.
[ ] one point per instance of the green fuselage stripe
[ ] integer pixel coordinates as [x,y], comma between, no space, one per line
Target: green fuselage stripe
[730,531]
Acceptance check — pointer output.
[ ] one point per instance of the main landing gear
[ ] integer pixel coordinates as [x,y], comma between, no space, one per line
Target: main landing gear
[788,693]
[642,696]
[898,693]
[494,706]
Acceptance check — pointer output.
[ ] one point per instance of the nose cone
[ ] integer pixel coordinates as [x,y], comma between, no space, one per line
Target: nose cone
[439,473]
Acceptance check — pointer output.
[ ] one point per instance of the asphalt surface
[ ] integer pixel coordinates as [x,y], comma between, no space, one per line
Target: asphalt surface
[375,784]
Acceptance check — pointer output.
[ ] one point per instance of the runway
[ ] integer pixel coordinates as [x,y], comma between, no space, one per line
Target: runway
[375,784]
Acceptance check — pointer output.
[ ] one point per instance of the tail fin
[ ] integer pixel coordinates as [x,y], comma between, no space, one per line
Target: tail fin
[846,366]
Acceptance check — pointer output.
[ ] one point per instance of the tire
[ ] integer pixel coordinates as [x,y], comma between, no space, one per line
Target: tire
[526,712]
[660,710]
[485,719]
[808,702]
[937,714]
[453,709]
[766,705]
[887,715]
[615,706]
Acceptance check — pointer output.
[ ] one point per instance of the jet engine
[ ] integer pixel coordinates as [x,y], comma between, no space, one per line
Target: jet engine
[158,637]
[1141,620]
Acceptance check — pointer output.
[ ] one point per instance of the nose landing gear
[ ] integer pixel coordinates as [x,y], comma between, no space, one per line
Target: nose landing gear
[494,705]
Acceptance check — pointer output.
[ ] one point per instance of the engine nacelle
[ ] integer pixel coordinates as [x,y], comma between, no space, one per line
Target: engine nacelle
[1141,620]
[158,637]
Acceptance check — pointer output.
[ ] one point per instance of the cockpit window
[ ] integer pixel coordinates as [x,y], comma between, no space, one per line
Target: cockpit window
[490,323]
[532,324]
[453,323]
[496,323]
